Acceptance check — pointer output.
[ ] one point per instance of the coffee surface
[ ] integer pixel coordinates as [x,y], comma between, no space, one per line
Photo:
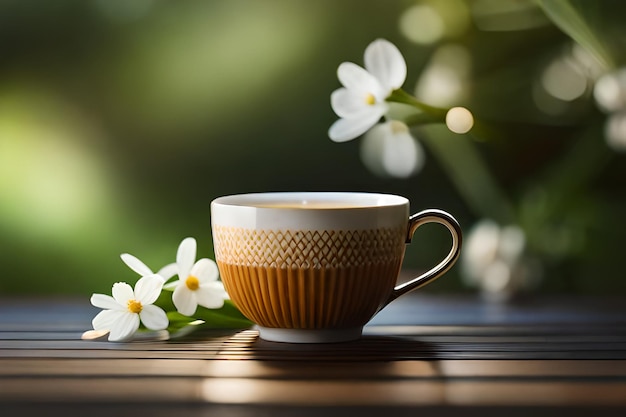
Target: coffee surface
[309,205]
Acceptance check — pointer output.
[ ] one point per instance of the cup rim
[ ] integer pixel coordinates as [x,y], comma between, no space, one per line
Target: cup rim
[334,199]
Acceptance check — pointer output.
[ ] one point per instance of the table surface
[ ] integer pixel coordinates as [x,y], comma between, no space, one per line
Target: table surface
[437,354]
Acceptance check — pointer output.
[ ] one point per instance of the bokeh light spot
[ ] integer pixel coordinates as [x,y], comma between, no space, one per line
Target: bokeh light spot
[610,91]
[564,81]
[459,120]
[615,132]
[52,184]
[422,24]
[444,80]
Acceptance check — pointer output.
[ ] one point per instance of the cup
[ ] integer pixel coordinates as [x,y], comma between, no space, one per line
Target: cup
[315,267]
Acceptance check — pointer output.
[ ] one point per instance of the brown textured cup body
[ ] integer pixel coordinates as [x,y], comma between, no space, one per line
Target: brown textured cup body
[303,279]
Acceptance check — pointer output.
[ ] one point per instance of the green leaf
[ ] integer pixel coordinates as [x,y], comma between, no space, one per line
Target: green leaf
[227,317]
[573,18]
[178,321]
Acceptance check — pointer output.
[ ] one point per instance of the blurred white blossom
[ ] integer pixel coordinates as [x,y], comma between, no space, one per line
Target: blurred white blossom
[567,77]
[389,149]
[495,260]
[610,95]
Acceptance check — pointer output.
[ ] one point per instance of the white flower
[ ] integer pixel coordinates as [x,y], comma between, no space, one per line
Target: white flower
[122,313]
[167,272]
[197,284]
[388,149]
[360,103]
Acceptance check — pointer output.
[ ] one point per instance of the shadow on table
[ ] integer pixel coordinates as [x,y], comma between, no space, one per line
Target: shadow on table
[247,345]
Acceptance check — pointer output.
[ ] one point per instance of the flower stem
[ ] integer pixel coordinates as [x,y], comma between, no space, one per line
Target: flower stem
[421,119]
[467,170]
[462,161]
[401,96]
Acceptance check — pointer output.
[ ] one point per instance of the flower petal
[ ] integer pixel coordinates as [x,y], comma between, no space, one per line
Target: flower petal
[186,256]
[106,302]
[148,289]
[219,285]
[349,103]
[106,319]
[385,62]
[124,327]
[218,288]
[205,270]
[171,286]
[154,318]
[168,271]
[347,129]
[94,334]
[135,264]
[122,292]
[358,79]
[208,297]
[402,155]
[184,300]
[388,149]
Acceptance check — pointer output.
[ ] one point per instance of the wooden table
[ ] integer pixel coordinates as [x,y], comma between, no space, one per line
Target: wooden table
[427,354]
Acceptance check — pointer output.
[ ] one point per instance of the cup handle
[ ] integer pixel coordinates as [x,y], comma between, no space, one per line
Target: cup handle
[417,220]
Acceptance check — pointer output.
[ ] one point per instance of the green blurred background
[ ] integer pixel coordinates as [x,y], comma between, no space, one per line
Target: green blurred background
[121,120]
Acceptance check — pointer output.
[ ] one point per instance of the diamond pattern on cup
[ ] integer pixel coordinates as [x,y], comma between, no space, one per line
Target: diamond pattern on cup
[303,249]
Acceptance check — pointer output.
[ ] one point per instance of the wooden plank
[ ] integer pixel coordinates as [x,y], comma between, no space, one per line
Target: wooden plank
[314,393]
[246,346]
[510,369]
[611,335]
[193,409]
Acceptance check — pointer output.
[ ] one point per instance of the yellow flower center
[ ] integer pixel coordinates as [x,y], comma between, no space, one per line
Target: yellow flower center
[134,306]
[192,283]
[370,99]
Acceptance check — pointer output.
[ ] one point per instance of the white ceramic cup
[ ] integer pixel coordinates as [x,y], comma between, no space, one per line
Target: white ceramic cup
[315,267]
